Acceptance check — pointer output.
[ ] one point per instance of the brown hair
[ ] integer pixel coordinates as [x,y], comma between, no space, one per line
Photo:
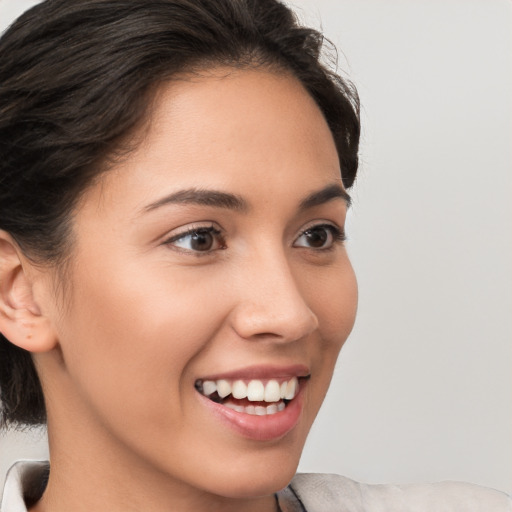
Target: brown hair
[77,76]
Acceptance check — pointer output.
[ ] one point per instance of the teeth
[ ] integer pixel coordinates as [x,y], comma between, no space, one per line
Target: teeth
[291,388]
[271,409]
[223,388]
[254,391]
[272,391]
[258,410]
[239,389]
[209,387]
[237,408]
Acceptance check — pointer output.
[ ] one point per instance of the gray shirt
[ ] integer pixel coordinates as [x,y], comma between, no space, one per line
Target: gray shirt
[26,480]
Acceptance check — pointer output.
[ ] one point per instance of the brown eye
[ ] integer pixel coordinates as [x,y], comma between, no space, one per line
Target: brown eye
[322,236]
[317,237]
[198,240]
[201,241]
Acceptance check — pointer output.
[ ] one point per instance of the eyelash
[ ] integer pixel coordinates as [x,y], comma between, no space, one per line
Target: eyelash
[195,231]
[337,234]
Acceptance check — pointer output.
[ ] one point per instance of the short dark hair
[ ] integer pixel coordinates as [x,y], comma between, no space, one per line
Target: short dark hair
[77,77]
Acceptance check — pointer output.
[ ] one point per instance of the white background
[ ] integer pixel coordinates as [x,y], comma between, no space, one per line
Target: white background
[423,388]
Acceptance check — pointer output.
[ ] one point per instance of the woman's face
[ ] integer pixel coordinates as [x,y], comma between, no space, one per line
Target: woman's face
[208,262]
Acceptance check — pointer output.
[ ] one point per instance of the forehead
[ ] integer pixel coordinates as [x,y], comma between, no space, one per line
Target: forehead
[248,131]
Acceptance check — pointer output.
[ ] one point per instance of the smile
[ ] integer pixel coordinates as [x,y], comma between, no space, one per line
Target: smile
[251,396]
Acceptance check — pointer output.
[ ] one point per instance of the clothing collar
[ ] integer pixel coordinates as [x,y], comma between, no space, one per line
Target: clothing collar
[26,480]
[24,485]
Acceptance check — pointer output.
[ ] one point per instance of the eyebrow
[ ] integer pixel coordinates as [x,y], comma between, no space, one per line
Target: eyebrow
[218,199]
[325,195]
[202,197]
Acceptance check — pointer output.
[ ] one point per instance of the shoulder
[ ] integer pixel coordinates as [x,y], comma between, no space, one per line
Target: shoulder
[333,493]
[24,484]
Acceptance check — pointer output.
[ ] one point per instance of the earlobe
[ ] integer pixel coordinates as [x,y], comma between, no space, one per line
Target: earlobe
[21,319]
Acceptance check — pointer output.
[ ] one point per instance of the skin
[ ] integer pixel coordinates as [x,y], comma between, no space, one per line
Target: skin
[143,317]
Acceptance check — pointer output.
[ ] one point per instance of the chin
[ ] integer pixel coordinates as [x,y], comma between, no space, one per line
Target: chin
[257,482]
[256,472]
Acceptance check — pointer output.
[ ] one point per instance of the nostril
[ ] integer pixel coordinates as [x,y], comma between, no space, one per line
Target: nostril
[291,325]
[266,335]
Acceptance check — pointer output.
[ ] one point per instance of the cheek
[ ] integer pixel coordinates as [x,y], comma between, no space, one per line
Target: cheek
[334,298]
[128,345]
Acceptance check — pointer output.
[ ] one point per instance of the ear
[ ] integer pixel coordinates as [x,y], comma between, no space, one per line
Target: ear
[21,319]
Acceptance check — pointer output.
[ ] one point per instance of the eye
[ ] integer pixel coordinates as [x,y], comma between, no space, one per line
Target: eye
[321,236]
[202,239]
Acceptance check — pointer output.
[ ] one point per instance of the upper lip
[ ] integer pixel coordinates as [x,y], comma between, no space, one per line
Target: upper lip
[262,372]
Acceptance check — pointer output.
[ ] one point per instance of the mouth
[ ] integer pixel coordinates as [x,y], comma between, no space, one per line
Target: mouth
[256,397]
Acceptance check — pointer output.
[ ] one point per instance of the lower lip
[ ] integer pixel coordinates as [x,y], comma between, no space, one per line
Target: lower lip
[260,428]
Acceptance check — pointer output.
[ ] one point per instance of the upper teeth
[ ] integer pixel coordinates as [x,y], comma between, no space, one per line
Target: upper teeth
[254,390]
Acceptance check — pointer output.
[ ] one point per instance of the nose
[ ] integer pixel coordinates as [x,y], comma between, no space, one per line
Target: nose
[270,304]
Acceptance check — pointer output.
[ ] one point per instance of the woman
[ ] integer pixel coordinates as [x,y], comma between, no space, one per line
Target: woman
[175,289]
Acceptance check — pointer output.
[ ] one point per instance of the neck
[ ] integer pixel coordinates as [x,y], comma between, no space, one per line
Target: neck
[77,484]
[96,465]
[92,471]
